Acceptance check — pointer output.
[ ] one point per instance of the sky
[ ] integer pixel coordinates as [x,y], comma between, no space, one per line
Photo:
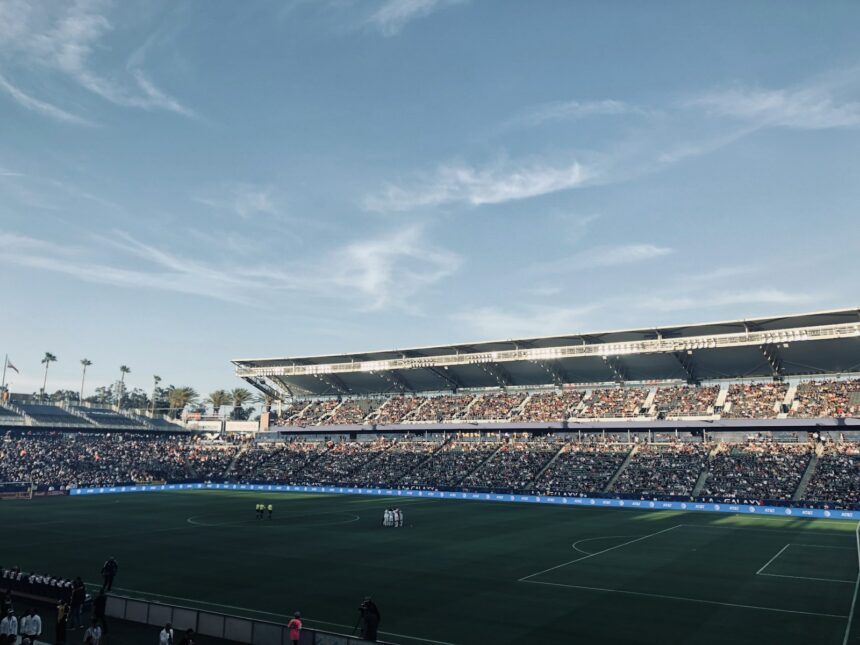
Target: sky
[184,183]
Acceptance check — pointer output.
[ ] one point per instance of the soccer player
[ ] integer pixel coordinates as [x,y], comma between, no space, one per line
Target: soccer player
[386,517]
[270,509]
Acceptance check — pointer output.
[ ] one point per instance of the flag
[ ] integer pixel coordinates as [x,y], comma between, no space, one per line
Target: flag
[11,367]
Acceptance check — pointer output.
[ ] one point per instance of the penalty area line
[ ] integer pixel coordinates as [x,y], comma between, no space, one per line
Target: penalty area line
[856,586]
[684,599]
[591,555]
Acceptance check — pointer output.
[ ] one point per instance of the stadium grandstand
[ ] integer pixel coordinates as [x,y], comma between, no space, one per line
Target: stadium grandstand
[791,371]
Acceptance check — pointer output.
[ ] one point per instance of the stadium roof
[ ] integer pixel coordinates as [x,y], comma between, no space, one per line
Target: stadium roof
[825,342]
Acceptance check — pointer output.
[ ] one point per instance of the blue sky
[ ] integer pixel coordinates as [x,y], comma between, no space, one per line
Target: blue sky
[182,183]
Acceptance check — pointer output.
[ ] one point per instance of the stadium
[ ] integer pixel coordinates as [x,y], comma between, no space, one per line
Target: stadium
[429,322]
[555,483]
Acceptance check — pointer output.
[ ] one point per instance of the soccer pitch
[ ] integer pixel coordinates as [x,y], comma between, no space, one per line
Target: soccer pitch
[459,572]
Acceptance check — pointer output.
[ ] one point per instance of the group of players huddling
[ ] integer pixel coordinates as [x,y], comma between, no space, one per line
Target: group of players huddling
[392,517]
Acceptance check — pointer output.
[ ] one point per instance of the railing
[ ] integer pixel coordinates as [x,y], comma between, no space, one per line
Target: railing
[237,629]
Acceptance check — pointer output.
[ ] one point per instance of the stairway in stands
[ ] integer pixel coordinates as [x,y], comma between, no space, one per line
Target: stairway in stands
[621,469]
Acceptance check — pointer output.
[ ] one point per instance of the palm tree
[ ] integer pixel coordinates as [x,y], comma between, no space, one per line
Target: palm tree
[123,370]
[240,397]
[217,399]
[156,379]
[266,400]
[180,397]
[86,363]
[49,358]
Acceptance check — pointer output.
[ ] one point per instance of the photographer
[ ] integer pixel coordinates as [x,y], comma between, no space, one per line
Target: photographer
[370,618]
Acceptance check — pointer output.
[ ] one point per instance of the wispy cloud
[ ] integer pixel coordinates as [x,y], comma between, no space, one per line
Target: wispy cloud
[64,39]
[242,199]
[814,107]
[390,269]
[41,107]
[720,298]
[382,272]
[561,110]
[460,183]
[602,257]
[523,321]
[393,15]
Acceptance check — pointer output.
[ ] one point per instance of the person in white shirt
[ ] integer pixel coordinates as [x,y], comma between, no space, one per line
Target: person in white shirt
[93,634]
[31,624]
[9,624]
[398,517]
[166,635]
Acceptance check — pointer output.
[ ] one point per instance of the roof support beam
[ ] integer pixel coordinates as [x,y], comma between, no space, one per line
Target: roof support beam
[619,372]
[773,357]
[446,376]
[502,376]
[334,382]
[555,370]
[686,361]
[395,378]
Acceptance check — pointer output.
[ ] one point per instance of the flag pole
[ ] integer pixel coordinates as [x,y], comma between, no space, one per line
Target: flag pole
[5,362]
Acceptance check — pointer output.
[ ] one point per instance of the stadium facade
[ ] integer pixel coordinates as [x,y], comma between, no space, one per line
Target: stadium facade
[777,348]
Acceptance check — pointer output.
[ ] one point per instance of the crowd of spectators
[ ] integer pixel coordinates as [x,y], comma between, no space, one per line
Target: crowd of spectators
[337,464]
[582,468]
[754,400]
[352,411]
[837,476]
[686,401]
[614,402]
[758,471]
[64,460]
[513,467]
[816,399]
[494,407]
[441,408]
[450,465]
[662,470]
[396,409]
[393,464]
[550,406]
[276,462]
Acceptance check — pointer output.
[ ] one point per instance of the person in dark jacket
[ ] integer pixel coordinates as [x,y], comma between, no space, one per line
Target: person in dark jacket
[109,573]
[99,609]
[370,618]
[79,594]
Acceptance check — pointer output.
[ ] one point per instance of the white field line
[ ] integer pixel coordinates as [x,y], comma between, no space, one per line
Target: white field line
[684,599]
[750,528]
[856,586]
[782,575]
[823,546]
[264,613]
[599,537]
[591,555]
[354,517]
[778,553]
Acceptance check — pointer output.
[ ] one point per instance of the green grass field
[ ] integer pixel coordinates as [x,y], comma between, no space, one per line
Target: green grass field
[459,572]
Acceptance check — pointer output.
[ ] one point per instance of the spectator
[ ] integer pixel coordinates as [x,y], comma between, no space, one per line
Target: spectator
[165,636]
[93,634]
[9,624]
[31,625]
[295,627]
[62,622]
[109,571]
